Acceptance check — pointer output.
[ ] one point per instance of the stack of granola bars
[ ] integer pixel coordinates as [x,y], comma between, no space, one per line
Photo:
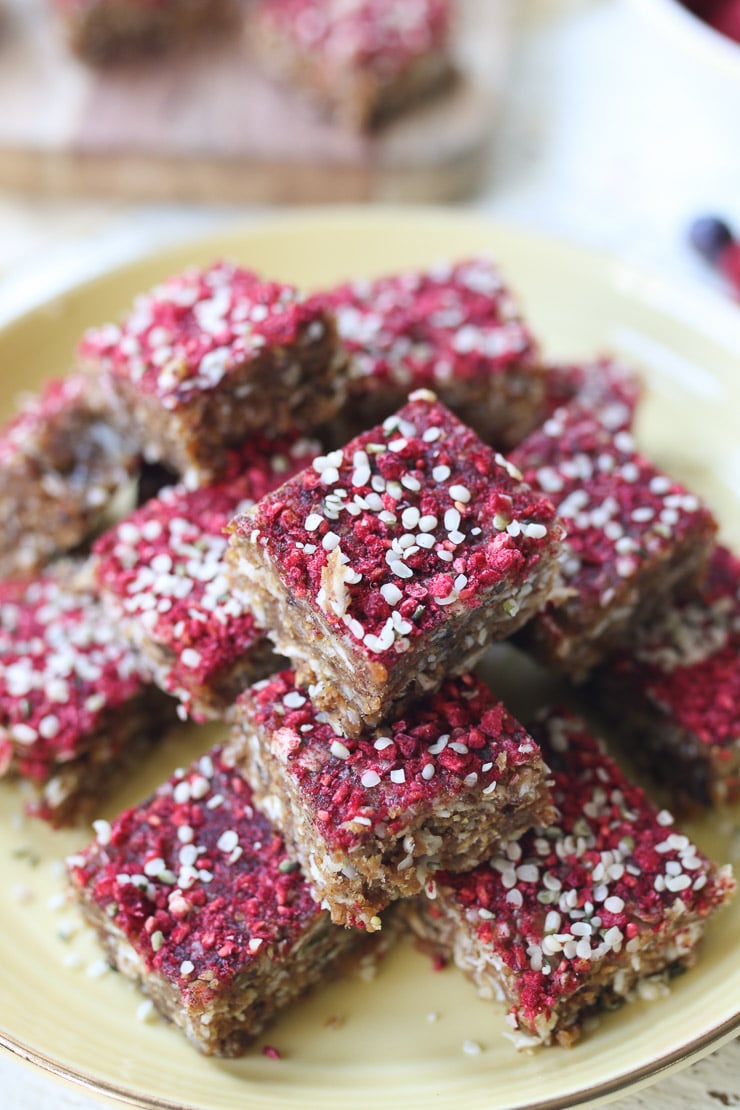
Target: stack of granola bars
[330,601]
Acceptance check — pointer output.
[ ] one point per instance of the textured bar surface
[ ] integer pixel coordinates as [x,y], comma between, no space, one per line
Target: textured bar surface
[370,817]
[212,356]
[674,692]
[395,561]
[576,917]
[163,576]
[195,898]
[634,536]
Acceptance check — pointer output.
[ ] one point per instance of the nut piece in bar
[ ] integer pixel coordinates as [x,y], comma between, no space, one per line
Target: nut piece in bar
[456,329]
[76,705]
[393,562]
[195,898]
[674,691]
[101,32]
[212,356]
[61,462]
[634,536]
[360,62]
[370,817]
[578,916]
[162,575]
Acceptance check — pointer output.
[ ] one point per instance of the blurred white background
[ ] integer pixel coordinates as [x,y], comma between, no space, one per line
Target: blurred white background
[610,132]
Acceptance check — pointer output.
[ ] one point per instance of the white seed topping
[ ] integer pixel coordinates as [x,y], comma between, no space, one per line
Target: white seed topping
[228,841]
[460,493]
[330,541]
[391,593]
[102,831]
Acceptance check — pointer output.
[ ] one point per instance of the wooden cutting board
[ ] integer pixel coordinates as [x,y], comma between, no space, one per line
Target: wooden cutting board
[206,126]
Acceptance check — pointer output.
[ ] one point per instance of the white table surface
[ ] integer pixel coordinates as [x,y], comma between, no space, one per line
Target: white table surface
[607,136]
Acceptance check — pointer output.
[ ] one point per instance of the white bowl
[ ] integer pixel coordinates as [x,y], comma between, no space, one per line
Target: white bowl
[696,38]
[693,107]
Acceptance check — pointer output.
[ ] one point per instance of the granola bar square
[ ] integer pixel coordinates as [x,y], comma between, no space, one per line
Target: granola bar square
[195,898]
[213,356]
[360,62]
[576,916]
[102,32]
[456,329]
[395,561]
[369,817]
[162,573]
[61,463]
[673,692]
[634,536]
[609,388]
[76,703]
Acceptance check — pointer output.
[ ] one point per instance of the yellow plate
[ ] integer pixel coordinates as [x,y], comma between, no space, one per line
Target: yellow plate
[372,1043]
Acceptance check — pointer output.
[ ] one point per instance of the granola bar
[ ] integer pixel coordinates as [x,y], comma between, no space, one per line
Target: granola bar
[389,564]
[361,61]
[456,329]
[196,899]
[162,574]
[61,462]
[607,387]
[76,705]
[633,536]
[576,916]
[370,817]
[105,31]
[211,357]
[674,692]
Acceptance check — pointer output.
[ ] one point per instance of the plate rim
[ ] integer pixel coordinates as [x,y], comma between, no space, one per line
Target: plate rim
[674,1061]
[671,293]
[700,305]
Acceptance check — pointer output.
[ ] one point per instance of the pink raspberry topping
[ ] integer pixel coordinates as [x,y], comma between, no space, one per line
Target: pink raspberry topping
[359,788]
[405,526]
[192,332]
[197,880]
[609,874]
